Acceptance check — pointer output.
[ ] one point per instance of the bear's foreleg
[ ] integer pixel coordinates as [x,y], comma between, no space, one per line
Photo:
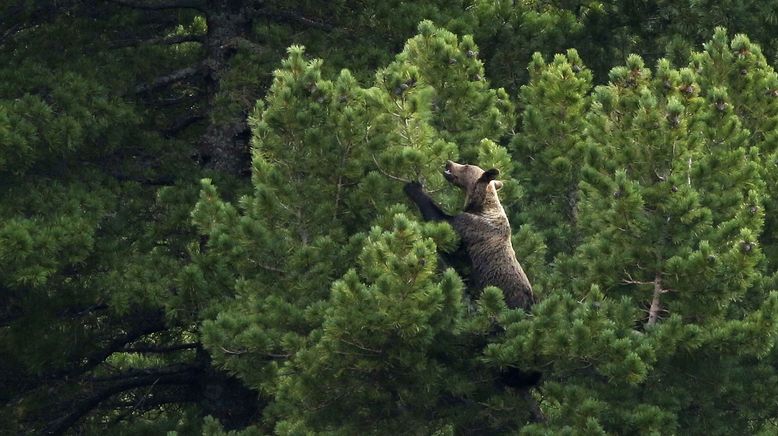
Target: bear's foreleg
[429,210]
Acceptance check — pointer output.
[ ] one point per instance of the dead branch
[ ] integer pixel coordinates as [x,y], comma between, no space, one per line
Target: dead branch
[653,311]
[361,347]
[630,281]
[267,267]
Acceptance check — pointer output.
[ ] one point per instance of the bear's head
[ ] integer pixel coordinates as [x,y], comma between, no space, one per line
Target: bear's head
[467,176]
[473,180]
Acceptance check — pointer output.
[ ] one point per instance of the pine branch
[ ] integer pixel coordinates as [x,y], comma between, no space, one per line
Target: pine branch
[159,181]
[163,4]
[271,356]
[11,31]
[170,40]
[173,77]
[83,408]
[176,39]
[293,17]
[149,324]
[182,123]
[143,372]
[149,402]
[242,43]
[89,310]
[24,15]
[182,99]
[159,349]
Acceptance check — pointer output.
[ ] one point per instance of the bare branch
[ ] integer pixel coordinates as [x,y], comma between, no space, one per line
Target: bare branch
[267,267]
[233,352]
[630,281]
[360,346]
[653,311]
[689,173]
[272,356]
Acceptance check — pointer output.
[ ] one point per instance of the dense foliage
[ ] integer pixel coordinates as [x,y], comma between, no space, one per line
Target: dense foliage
[203,228]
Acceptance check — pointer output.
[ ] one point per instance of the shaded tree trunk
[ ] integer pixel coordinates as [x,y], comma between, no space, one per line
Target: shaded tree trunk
[224,145]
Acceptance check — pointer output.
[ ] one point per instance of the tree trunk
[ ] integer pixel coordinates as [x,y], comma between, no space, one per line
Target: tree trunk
[224,145]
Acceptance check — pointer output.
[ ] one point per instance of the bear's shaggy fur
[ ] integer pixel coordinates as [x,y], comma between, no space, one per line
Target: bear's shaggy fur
[484,230]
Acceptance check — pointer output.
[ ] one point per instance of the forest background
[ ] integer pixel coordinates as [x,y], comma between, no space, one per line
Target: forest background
[203,229]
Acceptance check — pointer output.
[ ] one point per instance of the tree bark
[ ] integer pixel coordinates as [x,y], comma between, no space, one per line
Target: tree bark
[653,311]
[224,146]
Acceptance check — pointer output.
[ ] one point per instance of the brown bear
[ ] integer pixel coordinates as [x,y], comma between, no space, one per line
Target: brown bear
[484,230]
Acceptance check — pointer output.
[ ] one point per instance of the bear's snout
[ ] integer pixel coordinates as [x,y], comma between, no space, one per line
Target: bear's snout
[447,172]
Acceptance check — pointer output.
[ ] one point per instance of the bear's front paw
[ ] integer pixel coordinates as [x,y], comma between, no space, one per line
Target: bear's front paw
[413,189]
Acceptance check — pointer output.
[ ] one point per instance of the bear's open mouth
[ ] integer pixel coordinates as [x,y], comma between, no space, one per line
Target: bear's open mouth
[447,174]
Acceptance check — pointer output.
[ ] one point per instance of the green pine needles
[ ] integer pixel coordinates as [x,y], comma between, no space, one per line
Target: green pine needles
[650,193]
[194,243]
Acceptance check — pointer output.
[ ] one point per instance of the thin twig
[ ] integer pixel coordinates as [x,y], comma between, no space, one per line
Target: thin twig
[689,173]
[234,353]
[361,347]
[400,179]
[267,267]
[631,281]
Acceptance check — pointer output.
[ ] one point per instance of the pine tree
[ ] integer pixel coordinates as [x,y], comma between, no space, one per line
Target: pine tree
[739,69]
[293,340]
[550,149]
[668,272]
[102,109]
[293,290]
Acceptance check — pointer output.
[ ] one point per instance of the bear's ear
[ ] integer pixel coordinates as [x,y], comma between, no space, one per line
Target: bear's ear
[489,175]
[497,185]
